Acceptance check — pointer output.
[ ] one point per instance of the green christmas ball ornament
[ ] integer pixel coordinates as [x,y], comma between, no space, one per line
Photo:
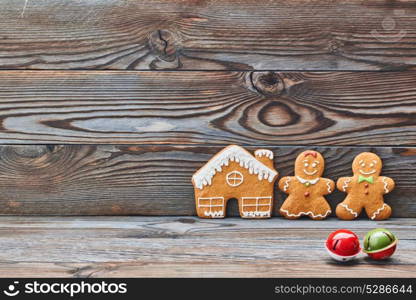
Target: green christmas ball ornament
[380,243]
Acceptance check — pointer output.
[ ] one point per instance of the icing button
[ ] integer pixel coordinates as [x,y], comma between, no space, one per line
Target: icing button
[307,184]
[366,185]
[307,194]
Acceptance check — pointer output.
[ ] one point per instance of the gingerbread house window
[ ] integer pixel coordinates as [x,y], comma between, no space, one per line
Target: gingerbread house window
[234,178]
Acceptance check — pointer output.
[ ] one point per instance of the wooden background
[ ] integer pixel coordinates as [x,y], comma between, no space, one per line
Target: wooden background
[107,107]
[190,247]
[208,35]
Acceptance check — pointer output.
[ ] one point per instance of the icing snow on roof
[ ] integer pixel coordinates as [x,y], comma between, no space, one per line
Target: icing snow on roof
[264,152]
[232,153]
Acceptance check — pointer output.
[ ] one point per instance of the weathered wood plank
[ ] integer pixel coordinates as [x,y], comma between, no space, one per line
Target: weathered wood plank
[324,108]
[155,180]
[277,268]
[189,247]
[228,34]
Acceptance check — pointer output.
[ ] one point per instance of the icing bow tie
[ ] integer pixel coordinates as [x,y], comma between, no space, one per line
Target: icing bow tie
[368,179]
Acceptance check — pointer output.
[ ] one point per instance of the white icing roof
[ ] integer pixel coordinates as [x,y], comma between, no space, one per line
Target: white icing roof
[235,153]
[263,152]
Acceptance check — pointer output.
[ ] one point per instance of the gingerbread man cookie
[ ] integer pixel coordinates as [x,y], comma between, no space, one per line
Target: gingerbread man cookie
[307,188]
[365,189]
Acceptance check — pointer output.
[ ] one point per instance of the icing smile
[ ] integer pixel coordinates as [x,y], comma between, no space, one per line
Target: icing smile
[367,173]
[310,173]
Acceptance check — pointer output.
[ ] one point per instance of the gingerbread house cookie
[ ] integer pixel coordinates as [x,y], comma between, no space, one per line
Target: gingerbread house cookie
[236,173]
[365,189]
[307,188]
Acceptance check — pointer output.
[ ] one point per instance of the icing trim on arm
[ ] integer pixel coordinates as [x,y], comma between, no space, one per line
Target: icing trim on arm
[386,184]
[345,185]
[328,184]
[286,186]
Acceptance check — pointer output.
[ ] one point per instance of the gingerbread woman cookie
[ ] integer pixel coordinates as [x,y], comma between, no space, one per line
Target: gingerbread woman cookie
[307,188]
[365,189]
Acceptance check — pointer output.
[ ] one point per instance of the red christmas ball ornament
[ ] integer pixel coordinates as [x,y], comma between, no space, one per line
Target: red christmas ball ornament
[343,245]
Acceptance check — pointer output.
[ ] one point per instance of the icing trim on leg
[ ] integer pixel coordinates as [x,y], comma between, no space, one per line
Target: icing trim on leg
[302,213]
[378,211]
[349,209]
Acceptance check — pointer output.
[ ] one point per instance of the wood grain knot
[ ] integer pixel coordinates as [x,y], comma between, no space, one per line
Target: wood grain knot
[29,151]
[267,83]
[165,47]
[335,46]
[186,220]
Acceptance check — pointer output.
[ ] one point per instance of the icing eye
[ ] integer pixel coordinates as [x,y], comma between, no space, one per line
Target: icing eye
[314,165]
[372,165]
[363,165]
[306,165]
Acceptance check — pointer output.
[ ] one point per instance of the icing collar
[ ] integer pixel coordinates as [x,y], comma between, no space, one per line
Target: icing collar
[302,180]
